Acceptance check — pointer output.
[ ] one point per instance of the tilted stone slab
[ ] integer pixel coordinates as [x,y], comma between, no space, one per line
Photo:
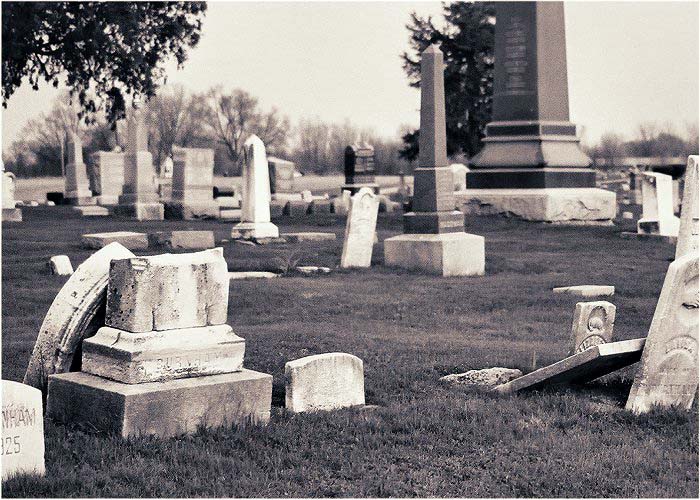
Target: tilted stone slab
[189,240]
[22,430]
[136,358]
[586,290]
[324,382]
[360,230]
[163,409]
[668,373]
[689,231]
[308,236]
[76,313]
[580,368]
[592,325]
[169,291]
[128,239]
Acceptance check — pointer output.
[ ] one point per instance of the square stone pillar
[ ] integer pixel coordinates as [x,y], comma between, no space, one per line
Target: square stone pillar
[77,184]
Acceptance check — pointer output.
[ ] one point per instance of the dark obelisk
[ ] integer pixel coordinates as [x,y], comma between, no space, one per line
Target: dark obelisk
[530,143]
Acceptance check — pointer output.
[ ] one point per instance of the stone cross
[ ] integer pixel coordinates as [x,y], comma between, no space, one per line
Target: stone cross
[688,234]
[657,206]
[360,229]
[22,430]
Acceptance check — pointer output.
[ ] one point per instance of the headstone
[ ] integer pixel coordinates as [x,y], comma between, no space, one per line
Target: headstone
[582,367]
[308,236]
[487,377]
[10,212]
[140,198]
[128,239]
[193,179]
[60,265]
[657,206]
[77,185]
[324,382]
[189,240]
[22,430]
[592,325]
[321,207]
[360,230]
[281,176]
[76,313]
[341,204]
[109,176]
[434,239]
[668,373]
[459,175]
[586,290]
[165,362]
[359,169]
[166,168]
[690,211]
[255,216]
[297,208]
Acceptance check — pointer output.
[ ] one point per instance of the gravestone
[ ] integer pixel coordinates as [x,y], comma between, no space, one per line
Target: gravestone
[341,204]
[360,229]
[459,174]
[60,265]
[531,165]
[77,185]
[76,313]
[109,176]
[128,239]
[10,212]
[165,362]
[434,239]
[359,169]
[657,206]
[255,216]
[140,198]
[668,373]
[22,430]
[324,382]
[189,240]
[193,180]
[592,325]
[281,174]
[689,230]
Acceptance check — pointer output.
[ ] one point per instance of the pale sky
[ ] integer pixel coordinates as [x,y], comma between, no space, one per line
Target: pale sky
[628,62]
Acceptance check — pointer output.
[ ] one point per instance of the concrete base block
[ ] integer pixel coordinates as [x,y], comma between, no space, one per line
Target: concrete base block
[574,205]
[668,226]
[255,230]
[164,409]
[191,211]
[11,215]
[105,199]
[141,211]
[449,254]
[92,211]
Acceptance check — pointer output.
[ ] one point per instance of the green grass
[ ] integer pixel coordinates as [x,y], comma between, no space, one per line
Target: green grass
[424,439]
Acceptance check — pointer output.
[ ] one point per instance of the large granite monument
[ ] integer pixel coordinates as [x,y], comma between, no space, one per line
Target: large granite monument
[434,239]
[531,164]
[193,180]
[359,168]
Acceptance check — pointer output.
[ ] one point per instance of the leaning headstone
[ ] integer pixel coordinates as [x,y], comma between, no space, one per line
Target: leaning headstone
[165,363]
[689,231]
[193,179]
[76,313]
[668,375]
[359,169]
[60,265]
[255,216]
[360,230]
[657,206]
[109,176]
[324,382]
[592,325]
[586,290]
[129,239]
[77,185]
[22,430]
[10,212]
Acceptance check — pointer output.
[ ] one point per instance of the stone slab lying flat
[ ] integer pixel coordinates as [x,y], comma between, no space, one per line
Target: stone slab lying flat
[313,269]
[248,275]
[580,368]
[137,358]
[164,409]
[586,290]
[187,240]
[128,239]
[310,236]
[92,211]
[486,377]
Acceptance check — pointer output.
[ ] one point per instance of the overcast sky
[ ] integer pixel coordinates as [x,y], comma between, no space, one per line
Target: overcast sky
[628,62]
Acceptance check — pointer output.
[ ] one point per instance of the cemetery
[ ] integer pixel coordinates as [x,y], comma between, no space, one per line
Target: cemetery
[501,329]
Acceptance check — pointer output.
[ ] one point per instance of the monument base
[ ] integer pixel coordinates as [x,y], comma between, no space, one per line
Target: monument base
[141,211]
[91,210]
[11,215]
[254,230]
[190,211]
[447,254]
[164,409]
[659,227]
[105,199]
[354,188]
[80,200]
[562,205]
[531,178]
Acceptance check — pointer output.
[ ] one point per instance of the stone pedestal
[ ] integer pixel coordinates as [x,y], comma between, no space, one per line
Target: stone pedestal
[193,179]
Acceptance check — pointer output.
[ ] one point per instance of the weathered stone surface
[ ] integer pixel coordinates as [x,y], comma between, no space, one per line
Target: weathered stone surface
[254,230]
[247,275]
[689,231]
[668,373]
[128,239]
[341,204]
[76,313]
[586,290]
[92,211]
[487,377]
[60,265]
[313,269]
[278,208]
[360,230]
[190,240]
[321,207]
[562,205]
[109,176]
[448,254]
[308,236]
[459,176]
[281,175]
[582,367]
[136,358]
[592,325]
[193,179]
[297,208]
[169,291]
[9,185]
[657,206]
[324,382]
[76,182]
[232,214]
[163,409]
[138,210]
[22,430]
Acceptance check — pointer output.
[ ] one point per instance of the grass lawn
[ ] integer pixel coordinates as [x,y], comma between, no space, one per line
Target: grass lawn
[424,439]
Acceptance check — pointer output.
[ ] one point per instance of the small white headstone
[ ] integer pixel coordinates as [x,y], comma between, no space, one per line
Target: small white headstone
[459,173]
[8,190]
[657,206]
[592,325]
[360,230]
[22,430]
[61,265]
